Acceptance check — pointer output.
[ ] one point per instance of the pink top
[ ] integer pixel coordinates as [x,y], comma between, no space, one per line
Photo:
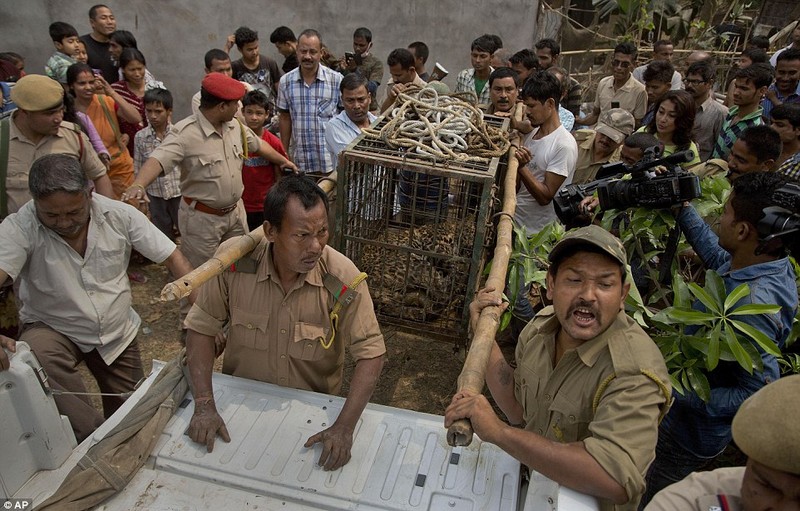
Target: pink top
[91,132]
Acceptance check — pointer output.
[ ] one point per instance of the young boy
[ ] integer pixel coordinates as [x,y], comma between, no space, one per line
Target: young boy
[165,191]
[476,78]
[786,121]
[258,174]
[80,54]
[65,39]
[258,70]
[657,78]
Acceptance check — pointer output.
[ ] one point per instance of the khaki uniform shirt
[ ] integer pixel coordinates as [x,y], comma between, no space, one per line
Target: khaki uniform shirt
[631,96]
[23,152]
[701,491]
[276,336]
[586,169]
[621,432]
[86,298]
[211,165]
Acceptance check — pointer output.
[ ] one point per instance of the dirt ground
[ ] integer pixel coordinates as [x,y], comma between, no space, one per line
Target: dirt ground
[419,374]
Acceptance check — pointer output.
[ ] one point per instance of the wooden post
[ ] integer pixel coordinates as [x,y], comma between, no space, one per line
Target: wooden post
[181,287]
[472,377]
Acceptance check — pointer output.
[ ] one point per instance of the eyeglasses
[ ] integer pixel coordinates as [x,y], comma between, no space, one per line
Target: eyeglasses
[620,63]
[693,82]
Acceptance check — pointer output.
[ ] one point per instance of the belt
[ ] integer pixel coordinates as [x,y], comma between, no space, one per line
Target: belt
[199,206]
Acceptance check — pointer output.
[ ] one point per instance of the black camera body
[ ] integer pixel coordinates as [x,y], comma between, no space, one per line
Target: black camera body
[642,190]
[781,221]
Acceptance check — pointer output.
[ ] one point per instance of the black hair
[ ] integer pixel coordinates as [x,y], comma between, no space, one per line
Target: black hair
[760,41]
[627,48]
[756,55]
[297,185]
[129,55]
[685,111]
[421,50]
[60,31]
[484,43]
[591,248]
[93,10]
[661,42]
[310,32]
[562,75]
[541,87]
[124,38]
[498,43]
[364,33]
[353,81]
[760,74]
[790,54]
[763,142]
[704,68]
[659,70]
[752,192]
[400,56]
[504,72]
[244,35]
[256,98]
[282,35]
[642,140]
[214,54]
[787,112]
[74,70]
[550,44]
[158,95]
[525,57]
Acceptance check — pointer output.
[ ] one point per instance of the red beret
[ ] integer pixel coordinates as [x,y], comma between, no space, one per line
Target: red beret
[223,87]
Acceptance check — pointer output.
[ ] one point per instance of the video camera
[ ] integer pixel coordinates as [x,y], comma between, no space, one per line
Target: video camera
[781,220]
[642,190]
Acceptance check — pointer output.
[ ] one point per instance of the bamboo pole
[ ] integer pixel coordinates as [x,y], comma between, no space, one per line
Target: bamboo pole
[472,377]
[181,287]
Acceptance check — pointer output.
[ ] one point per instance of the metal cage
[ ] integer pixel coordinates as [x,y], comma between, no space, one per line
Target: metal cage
[419,229]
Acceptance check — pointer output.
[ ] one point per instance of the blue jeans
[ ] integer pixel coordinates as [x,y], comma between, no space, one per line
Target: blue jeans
[672,464]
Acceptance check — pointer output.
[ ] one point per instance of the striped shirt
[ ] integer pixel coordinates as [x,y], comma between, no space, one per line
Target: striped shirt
[767,105]
[791,167]
[310,108]
[729,133]
[166,186]
[465,82]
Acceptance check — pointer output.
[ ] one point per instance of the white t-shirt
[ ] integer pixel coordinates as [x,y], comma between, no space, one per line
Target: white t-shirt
[556,153]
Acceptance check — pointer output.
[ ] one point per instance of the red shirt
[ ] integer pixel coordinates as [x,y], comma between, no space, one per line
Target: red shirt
[258,175]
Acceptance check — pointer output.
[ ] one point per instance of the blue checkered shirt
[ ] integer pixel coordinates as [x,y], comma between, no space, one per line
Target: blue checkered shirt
[791,167]
[310,107]
[767,105]
[145,142]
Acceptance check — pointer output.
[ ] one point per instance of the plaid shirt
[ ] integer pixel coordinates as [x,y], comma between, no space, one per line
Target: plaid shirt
[465,82]
[56,67]
[310,107]
[167,186]
[791,167]
[767,105]
[729,133]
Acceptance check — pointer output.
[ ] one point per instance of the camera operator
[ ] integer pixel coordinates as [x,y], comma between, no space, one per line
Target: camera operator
[694,432]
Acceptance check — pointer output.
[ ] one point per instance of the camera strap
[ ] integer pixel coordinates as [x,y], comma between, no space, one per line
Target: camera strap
[664,272]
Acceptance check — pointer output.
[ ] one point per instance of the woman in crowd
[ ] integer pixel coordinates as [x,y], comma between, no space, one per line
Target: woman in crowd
[120,40]
[104,106]
[672,124]
[131,88]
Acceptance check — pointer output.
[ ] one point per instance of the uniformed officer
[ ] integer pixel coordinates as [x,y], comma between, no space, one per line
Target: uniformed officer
[36,129]
[209,147]
[767,429]
[293,305]
[590,385]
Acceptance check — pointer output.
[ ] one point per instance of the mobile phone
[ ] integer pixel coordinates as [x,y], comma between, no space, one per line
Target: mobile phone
[349,55]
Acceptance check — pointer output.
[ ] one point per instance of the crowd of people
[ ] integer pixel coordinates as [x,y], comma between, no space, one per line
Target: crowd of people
[587,401]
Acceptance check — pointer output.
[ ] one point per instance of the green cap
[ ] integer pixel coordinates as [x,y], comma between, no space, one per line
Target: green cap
[591,235]
[767,425]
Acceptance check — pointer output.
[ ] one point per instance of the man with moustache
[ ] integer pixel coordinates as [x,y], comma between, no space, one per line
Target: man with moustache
[308,97]
[68,249]
[347,125]
[589,387]
[503,93]
[710,114]
[278,300]
[602,144]
[787,78]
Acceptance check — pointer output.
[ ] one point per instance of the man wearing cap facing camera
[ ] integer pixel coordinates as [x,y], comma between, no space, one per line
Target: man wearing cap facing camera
[767,429]
[602,144]
[590,386]
[209,147]
[36,129]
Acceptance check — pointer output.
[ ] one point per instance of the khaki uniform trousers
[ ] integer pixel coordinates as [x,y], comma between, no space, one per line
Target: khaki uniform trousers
[60,358]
